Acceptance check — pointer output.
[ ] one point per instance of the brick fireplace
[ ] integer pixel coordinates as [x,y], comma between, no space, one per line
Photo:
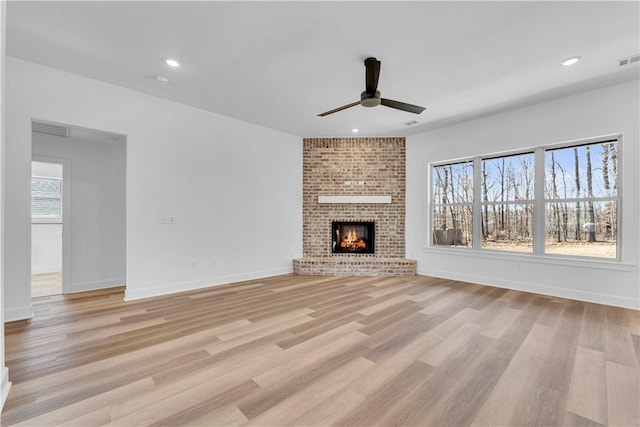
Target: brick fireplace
[354,180]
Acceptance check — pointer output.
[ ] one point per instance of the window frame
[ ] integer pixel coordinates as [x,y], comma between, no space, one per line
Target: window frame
[432,205]
[539,201]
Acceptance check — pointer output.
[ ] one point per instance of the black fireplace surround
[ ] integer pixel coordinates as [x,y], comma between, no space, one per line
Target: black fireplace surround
[351,237]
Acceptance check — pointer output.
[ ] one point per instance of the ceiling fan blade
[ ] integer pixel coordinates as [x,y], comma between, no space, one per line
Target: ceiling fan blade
[335,110]
[416,109]
[372,73]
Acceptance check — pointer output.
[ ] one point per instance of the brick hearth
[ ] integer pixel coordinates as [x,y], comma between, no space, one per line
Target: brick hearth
[371,170]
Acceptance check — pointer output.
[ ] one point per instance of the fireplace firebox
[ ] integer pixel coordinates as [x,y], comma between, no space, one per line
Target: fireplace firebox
[353,237]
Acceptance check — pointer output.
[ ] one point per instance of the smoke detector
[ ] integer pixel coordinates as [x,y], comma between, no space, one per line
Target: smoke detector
[162,79]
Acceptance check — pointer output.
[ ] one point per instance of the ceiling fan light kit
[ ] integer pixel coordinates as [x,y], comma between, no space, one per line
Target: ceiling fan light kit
[371,95]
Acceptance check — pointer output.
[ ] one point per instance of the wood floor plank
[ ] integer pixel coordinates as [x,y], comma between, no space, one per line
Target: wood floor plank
[324,351]
[623,395]
[619,346]
[499,322]
[465,400]
[74,413]
[286,411]
[389,396]
[231,372]
[331,410]
[501,407]
[228,415]
[588,392]
[437,387]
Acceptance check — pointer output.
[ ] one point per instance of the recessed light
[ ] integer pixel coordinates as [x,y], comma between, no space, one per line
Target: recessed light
[172,63]
[571,61]
[355,130]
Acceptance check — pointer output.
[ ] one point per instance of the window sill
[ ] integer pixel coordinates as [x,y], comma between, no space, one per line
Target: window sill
[566,261]
[45,221]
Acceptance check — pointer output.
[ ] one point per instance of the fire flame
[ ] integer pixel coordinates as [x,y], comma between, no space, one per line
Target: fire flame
[352,242]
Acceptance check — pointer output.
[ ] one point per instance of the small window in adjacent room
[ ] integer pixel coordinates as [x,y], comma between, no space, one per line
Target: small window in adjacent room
[46,199]
[452,199]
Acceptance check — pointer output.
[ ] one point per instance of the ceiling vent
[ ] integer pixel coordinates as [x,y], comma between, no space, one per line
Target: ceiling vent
[50,129]
[629,60]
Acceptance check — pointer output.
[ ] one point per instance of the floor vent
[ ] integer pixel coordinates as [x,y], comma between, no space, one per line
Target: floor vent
[628,60]
[50,129]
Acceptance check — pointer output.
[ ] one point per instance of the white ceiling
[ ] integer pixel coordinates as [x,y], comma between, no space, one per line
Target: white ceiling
[279,64]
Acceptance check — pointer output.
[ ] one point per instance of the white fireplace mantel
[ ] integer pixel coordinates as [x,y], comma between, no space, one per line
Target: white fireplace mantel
[354,199]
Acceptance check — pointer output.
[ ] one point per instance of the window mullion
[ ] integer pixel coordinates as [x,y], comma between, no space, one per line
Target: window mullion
[538,207]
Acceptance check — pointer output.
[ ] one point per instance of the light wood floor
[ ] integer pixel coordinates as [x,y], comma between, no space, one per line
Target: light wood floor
[294,350]
[46,284]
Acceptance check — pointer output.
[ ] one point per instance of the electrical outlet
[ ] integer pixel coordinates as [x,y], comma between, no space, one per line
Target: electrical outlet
[212,262]
[168,220]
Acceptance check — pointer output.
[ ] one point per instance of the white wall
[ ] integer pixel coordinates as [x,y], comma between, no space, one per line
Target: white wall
[46,238]
[96,188]
[608,111]
[234,189]
[46,248]
[5,385]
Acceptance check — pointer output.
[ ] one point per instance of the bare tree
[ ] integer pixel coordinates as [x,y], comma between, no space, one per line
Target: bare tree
[565,214]
[554,195]
[614,162]
[607,188]
[577,175]
[454,216]
[485,217]
[528,177]
[605,167]
[592,214]
[443,198]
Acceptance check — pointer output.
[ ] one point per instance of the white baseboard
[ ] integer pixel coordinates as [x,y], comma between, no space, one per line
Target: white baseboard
[22,313]
[134,294]
[575,294]
[97,284]
[5,386]
[46,269]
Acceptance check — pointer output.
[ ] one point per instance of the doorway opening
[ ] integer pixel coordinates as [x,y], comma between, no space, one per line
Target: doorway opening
[84,211]
[46,228]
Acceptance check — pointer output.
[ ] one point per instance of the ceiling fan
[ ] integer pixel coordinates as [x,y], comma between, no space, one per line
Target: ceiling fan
[371,96]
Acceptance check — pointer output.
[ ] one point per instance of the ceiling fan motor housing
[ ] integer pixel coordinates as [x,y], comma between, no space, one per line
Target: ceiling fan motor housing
[370,99]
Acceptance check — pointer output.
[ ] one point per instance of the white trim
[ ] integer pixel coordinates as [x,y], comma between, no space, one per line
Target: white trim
[593,297]
[547,259]
[21,313]
[354,199]
[43,220]
[154,291]
[539,229]
[97,284]
[5,386]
